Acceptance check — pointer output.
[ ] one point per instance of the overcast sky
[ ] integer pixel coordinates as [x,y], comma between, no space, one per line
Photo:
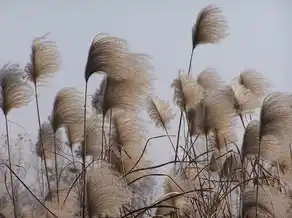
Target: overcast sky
[260,34]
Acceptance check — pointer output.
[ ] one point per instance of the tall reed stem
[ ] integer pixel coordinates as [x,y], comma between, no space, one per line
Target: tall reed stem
[10,166]
[84,153]
[181,114]
[41,138]
[56,167]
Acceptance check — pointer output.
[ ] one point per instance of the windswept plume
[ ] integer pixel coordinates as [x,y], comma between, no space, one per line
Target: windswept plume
[111,55]
[271,203]
[128,140]
[107,192]
[276,116]
[253,81]
[215,112]
[187,92]
[243,100]
[128,95]
[210,26]
[48,141]
[209,79]
[160,112]
[14,89]
[44,59]
[68,108]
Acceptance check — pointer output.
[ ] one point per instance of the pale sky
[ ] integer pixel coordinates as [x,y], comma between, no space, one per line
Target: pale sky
[260,34]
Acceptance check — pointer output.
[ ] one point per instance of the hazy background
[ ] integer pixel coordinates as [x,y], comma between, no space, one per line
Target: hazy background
[260,34]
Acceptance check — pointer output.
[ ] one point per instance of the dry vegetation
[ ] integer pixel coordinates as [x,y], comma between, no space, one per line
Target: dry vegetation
[213,172]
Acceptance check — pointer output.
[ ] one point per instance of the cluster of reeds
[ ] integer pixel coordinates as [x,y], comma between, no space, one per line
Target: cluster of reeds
[214,173]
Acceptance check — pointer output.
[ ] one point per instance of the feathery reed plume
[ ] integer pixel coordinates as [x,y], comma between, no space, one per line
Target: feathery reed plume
[209,79]
[68,108]
[111,55]
[74,132]
[123,94]
[160,112]
[47,134]
[44,62]
[276,116]
[107,192]
[93,135]
[187,95]
[243,101]
[215,112]
[44,59]
[15,92]
[187,92]
[127,141]
[253,81]
[210,26]
[271,203]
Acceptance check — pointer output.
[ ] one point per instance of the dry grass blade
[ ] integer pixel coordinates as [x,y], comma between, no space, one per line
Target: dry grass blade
[209,79]
[107,192]
[253,81]
[187,92]
[44,59]
[271,203]
[210,26]
[160,112]
[48,141]
[111,55]
[68,108]
[15,91]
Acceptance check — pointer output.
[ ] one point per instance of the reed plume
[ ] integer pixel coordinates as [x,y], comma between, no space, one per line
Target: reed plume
[67,109]
[187,92]
[209,79]
[210,26]
[15,93]
[160,112]
[44,62]
[270,203]
[107,192]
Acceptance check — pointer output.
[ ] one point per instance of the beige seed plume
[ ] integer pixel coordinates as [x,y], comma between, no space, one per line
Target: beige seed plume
[44,59]
[47,139]
[209,79]
[15,92]
[276,116]
[128,140]
[187,92]
[68,108]
[271,203]
[160,112]
[107,192]
[128,95]
[111,55]
[244,101]
[253,81]
[210,26]
[215,112]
